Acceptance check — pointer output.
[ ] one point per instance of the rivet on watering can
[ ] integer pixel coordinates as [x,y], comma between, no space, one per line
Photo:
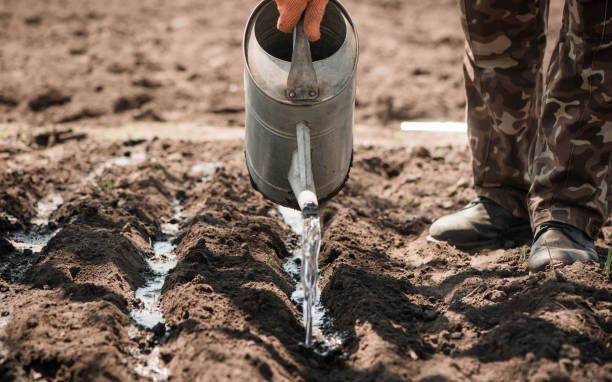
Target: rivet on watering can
[291,94]
[312,93]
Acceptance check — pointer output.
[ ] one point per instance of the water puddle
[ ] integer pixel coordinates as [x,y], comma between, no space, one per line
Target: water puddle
[16,266]
[150,316]
[28,244]
[160,264]
[136,156]
[205,169]
[31,242]
[46,206]
[153,367]
[322,335]
[149,366]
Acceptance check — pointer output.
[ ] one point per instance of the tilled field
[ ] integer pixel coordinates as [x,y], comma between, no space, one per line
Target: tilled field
[86,224]
[105,63]
[405,309]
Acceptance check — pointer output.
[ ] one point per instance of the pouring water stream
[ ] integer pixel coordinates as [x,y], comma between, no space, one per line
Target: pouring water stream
[311,242]
[321,336]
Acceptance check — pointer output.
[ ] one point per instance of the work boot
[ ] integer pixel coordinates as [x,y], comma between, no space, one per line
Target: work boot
[481,224]
[559,243]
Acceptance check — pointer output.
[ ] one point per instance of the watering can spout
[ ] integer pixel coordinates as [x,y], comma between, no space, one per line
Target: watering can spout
[300,173]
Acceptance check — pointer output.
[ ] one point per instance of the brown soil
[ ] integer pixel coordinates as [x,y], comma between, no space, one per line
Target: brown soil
[117,61]
[407,309]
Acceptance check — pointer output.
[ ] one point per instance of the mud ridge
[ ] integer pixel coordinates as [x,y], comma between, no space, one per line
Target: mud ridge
[408,309]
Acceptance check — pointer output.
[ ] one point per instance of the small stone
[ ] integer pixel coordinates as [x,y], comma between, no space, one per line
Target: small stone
[167,357]
[566,365]
[430,315]
[159,329]
[413,354]
[496,295]
[462,183]
[74,271]
[532,281]
[421,152]
[265,371]
[6,246]
[444,335]
[569,351]
[137,303]
[447,204]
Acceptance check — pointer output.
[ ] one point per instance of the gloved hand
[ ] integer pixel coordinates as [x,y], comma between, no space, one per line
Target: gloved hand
[291,12]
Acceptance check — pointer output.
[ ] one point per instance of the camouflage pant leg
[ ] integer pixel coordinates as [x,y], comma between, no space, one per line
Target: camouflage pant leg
[502,71]
[571,168]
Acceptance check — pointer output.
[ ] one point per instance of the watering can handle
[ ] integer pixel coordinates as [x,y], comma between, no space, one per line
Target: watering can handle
[302,82]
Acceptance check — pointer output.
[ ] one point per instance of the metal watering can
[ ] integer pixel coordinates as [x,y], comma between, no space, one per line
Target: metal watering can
[299,99]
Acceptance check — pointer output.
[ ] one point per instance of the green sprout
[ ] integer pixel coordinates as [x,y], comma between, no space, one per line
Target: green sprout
[523,255]
[606,269]
[268,258]
[25,138]
[109,186]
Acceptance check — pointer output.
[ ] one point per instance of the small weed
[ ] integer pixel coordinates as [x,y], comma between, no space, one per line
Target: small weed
[25,138]
[109,186]
[606,269]
[523,255]
[268,258]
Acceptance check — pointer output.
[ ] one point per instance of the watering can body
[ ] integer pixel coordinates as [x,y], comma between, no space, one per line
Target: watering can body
[272,114]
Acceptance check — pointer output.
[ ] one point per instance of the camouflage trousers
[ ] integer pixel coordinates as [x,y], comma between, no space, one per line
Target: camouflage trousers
[541,149]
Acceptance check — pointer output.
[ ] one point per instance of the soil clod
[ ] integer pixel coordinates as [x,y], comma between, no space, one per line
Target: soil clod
[51,97]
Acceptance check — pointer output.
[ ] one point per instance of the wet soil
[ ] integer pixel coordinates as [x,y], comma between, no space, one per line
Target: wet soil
[405,309]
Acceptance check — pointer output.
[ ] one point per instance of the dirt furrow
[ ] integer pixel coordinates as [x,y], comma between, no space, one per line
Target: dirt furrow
[68,317]
[406,309]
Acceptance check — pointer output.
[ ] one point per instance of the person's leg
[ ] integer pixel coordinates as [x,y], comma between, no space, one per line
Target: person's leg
[502,70]
[571,167]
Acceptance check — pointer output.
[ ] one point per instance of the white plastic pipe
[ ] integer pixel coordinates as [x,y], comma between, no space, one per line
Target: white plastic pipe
[440,127]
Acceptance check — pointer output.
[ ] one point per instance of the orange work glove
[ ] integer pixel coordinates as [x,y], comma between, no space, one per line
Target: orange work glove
[291,12]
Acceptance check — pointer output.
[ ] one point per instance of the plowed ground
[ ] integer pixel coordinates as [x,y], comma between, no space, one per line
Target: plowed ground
[407,309]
